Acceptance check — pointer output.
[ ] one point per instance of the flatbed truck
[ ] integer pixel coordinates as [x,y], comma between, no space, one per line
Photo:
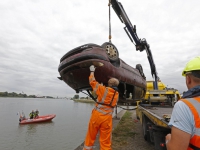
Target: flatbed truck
[154,112]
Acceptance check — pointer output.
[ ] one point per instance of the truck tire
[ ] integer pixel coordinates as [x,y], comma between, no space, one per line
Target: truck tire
[145,128]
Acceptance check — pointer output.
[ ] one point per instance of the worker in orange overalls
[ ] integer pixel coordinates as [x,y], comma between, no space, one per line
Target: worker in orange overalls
[101,118]
[185,118]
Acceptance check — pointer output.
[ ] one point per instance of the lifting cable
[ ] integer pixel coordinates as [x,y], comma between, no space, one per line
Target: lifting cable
[109,3]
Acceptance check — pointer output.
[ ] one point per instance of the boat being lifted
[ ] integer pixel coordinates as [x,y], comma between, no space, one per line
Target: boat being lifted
[39,119]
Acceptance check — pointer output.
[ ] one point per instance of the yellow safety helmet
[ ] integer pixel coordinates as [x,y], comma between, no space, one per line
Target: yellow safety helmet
[192,65]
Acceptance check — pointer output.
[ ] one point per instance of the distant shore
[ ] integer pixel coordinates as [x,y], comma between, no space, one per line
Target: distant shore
[84,100]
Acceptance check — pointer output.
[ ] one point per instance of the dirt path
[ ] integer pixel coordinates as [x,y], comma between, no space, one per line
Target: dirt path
[137,142]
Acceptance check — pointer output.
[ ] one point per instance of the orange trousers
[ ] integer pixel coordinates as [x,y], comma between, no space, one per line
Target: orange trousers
[103,124]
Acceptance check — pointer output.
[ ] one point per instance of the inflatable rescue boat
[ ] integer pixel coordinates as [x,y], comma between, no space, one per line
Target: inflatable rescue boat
[39,119]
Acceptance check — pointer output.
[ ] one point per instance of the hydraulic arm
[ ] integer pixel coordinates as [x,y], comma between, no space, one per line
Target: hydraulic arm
[140,45]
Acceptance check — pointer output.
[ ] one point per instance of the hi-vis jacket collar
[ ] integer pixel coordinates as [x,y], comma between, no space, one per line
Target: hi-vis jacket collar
[193,92]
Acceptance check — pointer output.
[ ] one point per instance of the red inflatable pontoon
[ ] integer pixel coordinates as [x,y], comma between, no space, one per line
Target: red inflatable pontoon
[38,120]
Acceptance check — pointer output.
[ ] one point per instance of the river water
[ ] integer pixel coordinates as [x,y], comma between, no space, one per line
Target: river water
[66,131]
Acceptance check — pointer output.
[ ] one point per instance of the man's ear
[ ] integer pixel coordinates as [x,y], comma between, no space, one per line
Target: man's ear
[188,81]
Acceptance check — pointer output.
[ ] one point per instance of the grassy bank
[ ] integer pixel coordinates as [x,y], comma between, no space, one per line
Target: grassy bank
[123,131]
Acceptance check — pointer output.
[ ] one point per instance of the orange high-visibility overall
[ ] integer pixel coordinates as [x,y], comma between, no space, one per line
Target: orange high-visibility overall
[194,105]
[101,118]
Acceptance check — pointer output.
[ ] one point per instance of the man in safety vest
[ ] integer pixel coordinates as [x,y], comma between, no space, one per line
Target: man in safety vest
[32,114]
[36,114]
[101,118]
[185,119]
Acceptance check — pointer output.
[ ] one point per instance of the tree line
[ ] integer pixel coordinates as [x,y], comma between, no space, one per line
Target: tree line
[13,94]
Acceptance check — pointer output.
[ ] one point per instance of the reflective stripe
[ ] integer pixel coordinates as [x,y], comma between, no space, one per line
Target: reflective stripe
[108,108]
[195,103]
[96,87]
[103,112]
[89,147]
[104,107]
[104,95]
[194,106]
[100,106]
[91,79]
[197,132]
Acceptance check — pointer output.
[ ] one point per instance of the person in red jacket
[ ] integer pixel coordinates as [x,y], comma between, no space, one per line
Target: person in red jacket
[101,117]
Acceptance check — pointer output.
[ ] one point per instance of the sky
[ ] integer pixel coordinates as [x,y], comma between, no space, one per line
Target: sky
[35,34]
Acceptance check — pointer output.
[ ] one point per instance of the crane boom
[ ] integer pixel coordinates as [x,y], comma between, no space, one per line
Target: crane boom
[140,45]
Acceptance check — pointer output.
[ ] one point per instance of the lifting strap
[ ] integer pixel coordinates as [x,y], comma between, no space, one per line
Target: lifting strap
[94,99]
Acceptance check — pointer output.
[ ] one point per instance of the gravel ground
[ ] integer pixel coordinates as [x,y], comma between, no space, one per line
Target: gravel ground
[138,142]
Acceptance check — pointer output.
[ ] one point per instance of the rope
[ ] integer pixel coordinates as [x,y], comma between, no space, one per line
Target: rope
[109,22]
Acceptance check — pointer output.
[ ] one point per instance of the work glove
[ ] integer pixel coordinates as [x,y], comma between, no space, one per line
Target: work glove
[92,68]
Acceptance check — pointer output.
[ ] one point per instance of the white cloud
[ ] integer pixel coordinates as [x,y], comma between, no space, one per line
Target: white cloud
[34,35]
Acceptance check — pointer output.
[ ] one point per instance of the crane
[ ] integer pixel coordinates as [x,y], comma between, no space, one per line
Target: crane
[140,44]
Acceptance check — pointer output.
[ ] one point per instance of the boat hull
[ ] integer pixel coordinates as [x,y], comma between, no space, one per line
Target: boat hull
[40,119]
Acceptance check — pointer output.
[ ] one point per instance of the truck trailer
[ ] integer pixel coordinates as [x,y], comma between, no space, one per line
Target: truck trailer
[154,112]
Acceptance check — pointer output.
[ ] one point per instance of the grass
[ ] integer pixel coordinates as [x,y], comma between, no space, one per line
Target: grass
[123,131]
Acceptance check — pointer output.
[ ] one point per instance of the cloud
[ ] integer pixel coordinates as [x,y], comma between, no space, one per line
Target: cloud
[34,35]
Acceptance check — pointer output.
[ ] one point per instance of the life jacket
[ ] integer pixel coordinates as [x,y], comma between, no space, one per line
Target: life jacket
[194,105]
[36,113]
[31,114]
